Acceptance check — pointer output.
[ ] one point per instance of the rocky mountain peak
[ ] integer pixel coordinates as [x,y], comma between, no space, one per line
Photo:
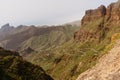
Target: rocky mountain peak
[91,14]
[6,27]
[111,12]
[98,17]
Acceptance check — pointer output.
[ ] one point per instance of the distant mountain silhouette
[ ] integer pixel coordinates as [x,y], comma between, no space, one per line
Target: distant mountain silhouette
[38,38]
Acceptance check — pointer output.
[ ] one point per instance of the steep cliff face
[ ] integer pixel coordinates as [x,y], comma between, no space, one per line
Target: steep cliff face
[113,12]
[97,20]
[91,15]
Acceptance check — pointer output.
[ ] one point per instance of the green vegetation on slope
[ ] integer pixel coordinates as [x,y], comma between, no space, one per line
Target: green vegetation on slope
[69,60]
[36,38]
[65,59]
[13,67]
[53,38]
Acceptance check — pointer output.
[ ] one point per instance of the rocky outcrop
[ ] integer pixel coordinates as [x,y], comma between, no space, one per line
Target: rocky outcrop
[96,21]
[84,35]
[90,35]
[91,15]
[112,12]
[108,67]
[6,28]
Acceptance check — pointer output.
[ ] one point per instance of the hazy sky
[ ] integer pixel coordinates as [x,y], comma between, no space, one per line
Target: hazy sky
[41,12]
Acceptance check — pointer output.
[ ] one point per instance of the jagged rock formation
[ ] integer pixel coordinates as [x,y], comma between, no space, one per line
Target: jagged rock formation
[99,17]
[91,15]
[112,12]
[6,27]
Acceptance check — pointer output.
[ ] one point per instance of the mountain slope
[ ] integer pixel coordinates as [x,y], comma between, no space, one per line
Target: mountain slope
[87,46]
[68,60]
[37,38]
[13,67]
[55,37]
[109,24]
[108,66]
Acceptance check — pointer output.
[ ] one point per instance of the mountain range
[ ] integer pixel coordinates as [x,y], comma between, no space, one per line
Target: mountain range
[86,51]
[36,38]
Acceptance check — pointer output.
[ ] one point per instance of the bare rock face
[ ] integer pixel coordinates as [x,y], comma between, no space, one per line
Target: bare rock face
[6,27]
[108,67]
[84,35]
[91,15]
[113,12]
[108,15]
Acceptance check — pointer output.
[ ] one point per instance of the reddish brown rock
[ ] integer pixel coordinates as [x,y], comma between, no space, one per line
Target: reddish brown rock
[91,15]
[113,12]
[84,35]
[108,15]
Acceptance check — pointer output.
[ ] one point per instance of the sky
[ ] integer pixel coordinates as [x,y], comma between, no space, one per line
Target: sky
[45,12]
